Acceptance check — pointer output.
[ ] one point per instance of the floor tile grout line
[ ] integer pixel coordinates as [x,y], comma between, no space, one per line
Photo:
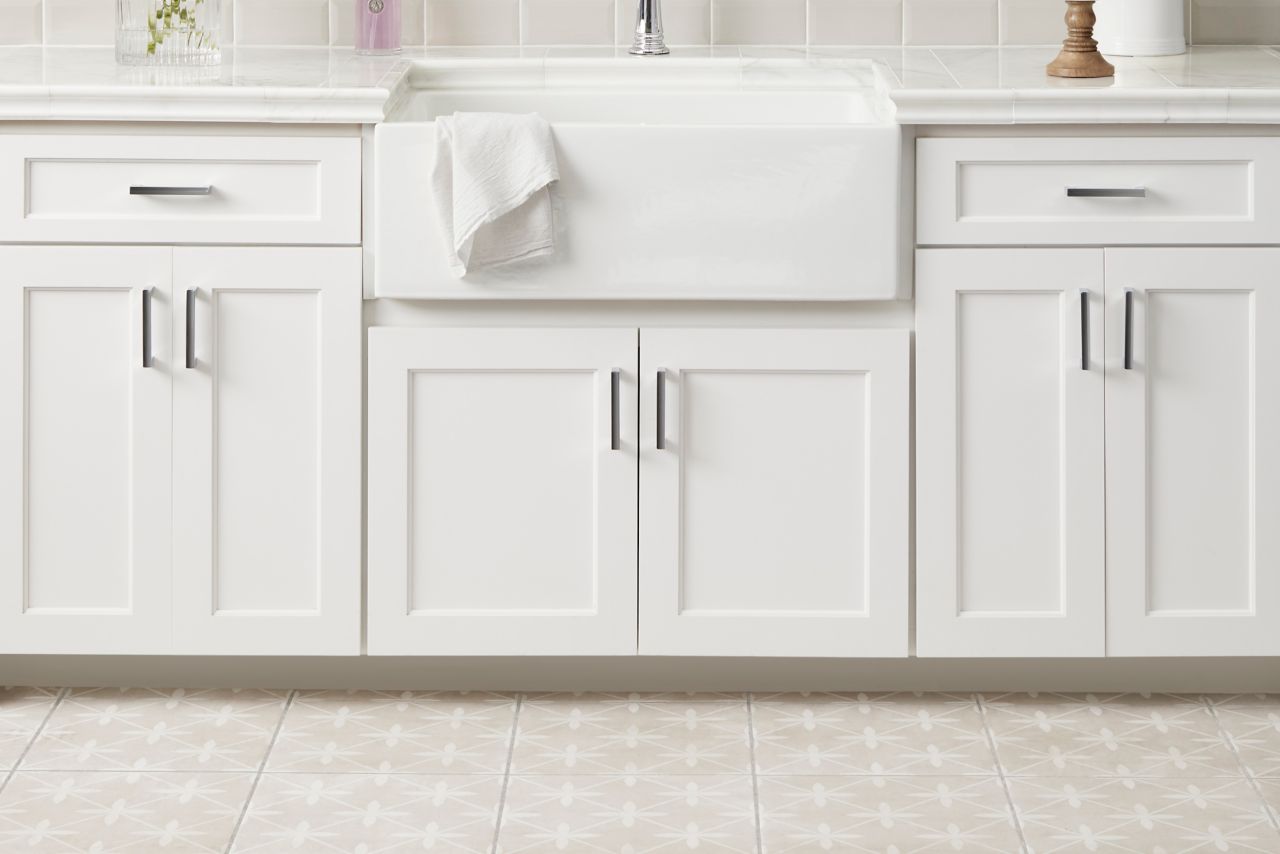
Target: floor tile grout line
[755,777]
[39,730]
[1004,781]
[262,766]
[1273,816]
[506,774]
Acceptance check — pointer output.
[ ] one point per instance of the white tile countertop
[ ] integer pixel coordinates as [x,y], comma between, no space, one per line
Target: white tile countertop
[955,85]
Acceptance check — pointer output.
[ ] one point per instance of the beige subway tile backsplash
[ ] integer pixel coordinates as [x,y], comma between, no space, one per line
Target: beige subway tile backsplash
[587,22]
[82,22]
[473,22]
[20,22]
[869,22]
[611,22]
[1235,21]
[758,21]
[282,22]
[943,22]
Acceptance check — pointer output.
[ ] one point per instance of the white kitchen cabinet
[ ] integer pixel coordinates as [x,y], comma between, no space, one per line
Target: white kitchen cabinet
[266,451]
[774,492]
[1009,453]
[1193,459]
[84,449]
[502,491]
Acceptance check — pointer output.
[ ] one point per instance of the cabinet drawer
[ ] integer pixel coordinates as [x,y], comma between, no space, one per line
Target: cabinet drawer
[179,189]
[1098,191]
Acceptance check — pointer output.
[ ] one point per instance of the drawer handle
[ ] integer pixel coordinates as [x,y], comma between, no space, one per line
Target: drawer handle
[191,328]
[662,409]
[1084,329]
[615,404]
[1128,329]
[170,191]
[1107,192]
[146,328]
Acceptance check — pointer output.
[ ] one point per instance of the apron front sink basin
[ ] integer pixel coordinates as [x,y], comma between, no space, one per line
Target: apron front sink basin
[679,180]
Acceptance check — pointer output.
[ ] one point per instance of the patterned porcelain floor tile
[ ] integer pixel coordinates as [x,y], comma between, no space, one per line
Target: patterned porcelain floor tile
[1142,815]
[897,733]
[596,737]
[635,814]
[143,728]
[1253,722]
[1056,735]
[370,813]
[102,811]
[419,732]
[21,712]
[885,814]
[635,696]
[1271,794]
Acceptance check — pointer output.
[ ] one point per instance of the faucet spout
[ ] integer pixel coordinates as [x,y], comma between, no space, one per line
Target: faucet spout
[648,39]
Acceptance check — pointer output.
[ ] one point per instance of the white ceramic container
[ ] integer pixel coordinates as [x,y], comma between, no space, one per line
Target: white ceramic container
[1140,27]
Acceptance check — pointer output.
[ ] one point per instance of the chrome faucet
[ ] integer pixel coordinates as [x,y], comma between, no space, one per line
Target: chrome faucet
[648,40]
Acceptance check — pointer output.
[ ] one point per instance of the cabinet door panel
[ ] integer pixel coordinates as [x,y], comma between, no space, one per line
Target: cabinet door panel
[774,519]
[501,520]
[1193,472]
[1009,453]
[84,436]
[267,452]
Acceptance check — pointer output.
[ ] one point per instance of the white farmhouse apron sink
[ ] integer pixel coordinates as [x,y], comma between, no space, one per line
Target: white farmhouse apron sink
[694,179]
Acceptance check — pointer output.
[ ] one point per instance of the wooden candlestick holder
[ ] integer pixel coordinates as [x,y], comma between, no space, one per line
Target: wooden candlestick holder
[1079,56]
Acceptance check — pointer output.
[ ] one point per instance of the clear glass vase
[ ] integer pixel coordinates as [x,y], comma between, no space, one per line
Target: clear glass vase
[168,32]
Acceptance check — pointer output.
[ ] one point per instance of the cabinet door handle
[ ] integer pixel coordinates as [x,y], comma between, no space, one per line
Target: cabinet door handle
[1084,329]
[615,406]
[191,327]
[662,409]
[137,190]
[1128,329]
[146,327]
[1107,192]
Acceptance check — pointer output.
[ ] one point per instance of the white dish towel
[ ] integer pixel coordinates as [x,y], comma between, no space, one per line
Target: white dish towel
[491,186]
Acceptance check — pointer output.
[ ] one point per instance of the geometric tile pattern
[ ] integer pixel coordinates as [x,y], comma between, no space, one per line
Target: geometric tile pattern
[141,770]
[420,732]
[140,729]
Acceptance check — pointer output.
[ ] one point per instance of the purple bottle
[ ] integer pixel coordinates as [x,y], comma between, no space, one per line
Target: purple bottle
[377,26]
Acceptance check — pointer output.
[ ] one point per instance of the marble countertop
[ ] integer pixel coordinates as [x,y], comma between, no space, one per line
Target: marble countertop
[956,85]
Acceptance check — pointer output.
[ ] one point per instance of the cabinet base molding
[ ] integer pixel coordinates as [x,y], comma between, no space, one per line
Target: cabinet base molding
[652,673]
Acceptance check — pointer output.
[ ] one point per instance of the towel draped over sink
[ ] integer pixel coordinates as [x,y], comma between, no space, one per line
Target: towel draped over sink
[491,184]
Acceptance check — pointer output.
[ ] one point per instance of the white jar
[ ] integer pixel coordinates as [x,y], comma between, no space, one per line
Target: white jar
[1140,27]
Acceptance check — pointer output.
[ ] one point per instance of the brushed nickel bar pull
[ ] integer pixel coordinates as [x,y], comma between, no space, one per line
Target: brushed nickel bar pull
[1084,329]
[1107,192]
[191,328]
[615,405]
[143,190]
[662,408]
[1128,329]
[146,328]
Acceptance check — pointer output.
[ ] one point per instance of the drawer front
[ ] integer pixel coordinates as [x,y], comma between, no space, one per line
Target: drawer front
[1098,191]
[179,189]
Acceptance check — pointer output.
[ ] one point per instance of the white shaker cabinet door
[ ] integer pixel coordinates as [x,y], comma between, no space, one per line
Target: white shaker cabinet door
[266,455]
[774,492]
[84,450]
[502,491]
[1193,452]
[1009,453]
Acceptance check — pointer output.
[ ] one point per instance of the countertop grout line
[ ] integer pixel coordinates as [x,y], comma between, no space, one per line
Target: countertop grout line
[506,774]
[981,703]
[22,757]
[262,766]
[755,777]
[1273,818]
